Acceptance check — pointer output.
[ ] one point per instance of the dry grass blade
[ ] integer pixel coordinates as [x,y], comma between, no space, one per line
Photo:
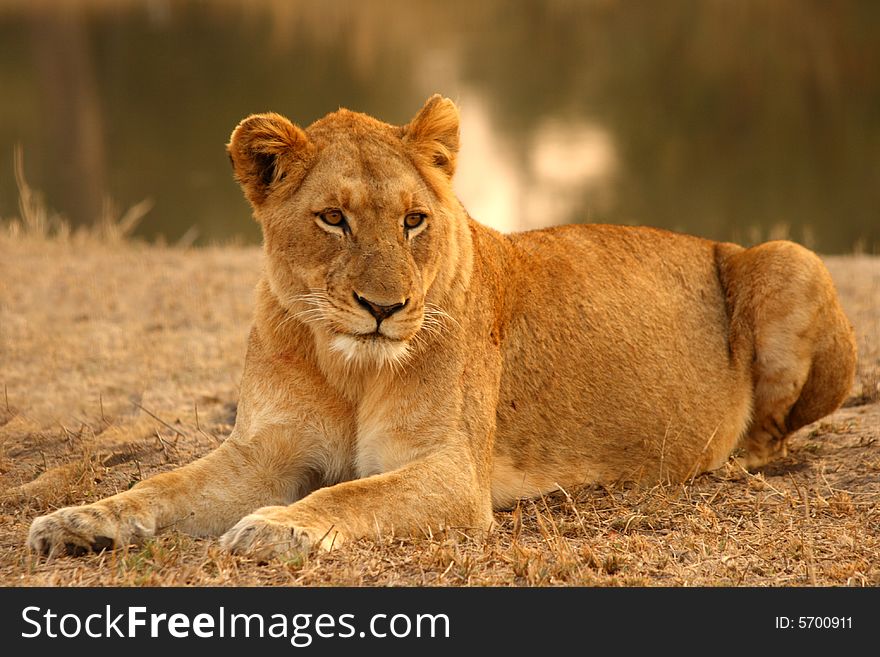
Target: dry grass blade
[35,217]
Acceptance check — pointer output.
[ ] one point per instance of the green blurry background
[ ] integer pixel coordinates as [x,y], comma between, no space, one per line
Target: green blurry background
[732,119]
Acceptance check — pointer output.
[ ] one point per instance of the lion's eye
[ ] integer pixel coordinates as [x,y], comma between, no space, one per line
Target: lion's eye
[414,220]
[333,218]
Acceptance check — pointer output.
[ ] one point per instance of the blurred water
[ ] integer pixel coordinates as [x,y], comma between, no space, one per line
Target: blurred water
[734,120]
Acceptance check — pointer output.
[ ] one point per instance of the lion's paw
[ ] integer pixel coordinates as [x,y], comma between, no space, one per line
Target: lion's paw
[78,530]
[271,532]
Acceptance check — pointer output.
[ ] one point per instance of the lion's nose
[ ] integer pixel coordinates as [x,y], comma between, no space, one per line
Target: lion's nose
[379,311]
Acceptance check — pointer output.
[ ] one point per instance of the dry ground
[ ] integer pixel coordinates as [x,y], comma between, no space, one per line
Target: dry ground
[120,360]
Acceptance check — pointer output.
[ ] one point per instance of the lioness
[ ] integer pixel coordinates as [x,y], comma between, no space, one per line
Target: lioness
[409,369]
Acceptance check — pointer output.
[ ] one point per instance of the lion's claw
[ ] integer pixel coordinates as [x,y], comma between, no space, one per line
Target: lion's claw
[76,531]
[266,534]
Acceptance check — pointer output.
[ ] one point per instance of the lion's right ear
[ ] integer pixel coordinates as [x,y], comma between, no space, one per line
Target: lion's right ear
[266,149]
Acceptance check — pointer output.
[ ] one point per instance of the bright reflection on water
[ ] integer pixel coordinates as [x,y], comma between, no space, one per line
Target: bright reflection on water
[563,162]
[734,120]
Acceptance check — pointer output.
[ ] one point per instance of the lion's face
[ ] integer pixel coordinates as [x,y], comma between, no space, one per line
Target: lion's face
[355,223]
[353,251]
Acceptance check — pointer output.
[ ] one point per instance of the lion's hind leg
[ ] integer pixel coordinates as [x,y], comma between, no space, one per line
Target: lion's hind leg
[802,345]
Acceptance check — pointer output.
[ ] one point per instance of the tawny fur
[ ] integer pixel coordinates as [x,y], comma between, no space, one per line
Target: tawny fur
[518,364]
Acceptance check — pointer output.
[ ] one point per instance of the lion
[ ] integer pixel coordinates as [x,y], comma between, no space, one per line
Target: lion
[410,370]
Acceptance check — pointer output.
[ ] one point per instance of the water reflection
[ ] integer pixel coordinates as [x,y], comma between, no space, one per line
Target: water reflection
[564,163]
[734,120]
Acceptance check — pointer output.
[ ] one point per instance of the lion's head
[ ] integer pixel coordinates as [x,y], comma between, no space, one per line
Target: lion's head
[361,228]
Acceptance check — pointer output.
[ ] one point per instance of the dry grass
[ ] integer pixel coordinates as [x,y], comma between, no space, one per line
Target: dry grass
[119,360]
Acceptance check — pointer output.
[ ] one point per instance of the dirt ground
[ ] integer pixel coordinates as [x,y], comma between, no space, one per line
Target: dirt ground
[119,360]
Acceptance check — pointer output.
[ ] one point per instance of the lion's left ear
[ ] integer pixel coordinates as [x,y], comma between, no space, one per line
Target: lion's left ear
[433,133]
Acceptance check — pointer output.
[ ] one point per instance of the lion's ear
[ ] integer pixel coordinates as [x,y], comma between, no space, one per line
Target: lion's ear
[433,133]
[265,149]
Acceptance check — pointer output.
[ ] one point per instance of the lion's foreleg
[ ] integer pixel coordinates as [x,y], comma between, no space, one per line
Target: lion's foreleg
[205,497]
[440,491]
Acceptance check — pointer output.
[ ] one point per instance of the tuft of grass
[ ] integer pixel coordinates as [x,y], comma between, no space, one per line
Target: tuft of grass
[37,222]
[869,388]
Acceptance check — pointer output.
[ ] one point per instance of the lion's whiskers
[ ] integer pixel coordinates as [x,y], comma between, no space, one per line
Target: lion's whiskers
[317,308]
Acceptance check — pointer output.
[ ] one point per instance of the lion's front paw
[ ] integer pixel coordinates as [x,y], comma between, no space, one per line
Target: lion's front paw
[78,530]
[271,532]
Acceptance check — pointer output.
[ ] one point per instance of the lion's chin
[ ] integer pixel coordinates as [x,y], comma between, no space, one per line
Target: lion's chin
[369,349]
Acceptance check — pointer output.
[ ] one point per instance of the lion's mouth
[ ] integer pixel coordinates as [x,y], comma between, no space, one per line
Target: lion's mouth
[375,336]
[374,348]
